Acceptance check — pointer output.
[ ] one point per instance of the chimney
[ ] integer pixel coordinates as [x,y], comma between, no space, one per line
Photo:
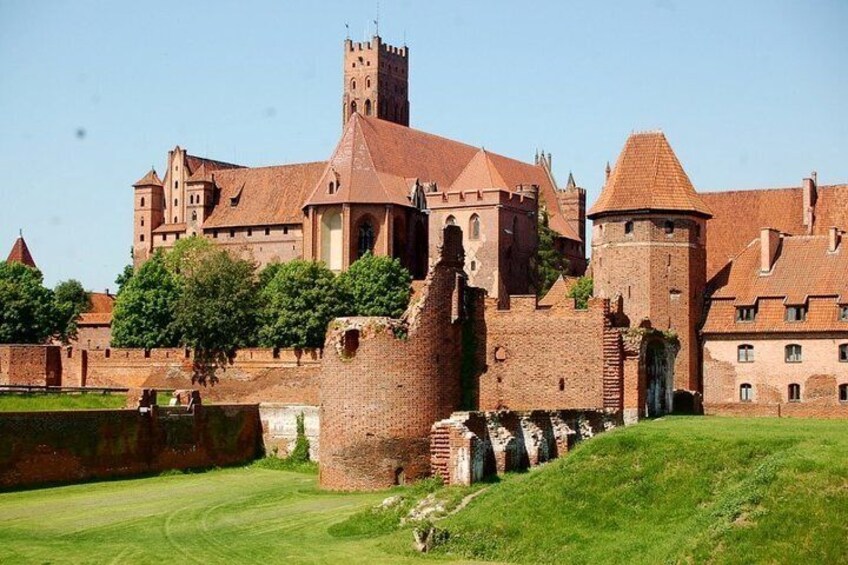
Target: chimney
[834,237]
[769,243]
[810,195]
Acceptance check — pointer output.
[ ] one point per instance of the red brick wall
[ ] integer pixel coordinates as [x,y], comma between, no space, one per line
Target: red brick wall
[531,351]
[72,446]
[777,410]
[30,365]
[378,403]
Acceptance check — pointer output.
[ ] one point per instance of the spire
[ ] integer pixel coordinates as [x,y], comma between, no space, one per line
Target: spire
[570,185]
[20,253]
[607,172]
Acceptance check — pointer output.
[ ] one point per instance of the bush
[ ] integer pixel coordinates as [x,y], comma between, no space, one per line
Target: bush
[377,286]
[27,311]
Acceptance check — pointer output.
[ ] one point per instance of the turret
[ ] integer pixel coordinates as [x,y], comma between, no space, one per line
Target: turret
[376,81]
[148,214]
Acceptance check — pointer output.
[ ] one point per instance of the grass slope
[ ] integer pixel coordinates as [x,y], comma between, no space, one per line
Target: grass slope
[674,490]
[43,402]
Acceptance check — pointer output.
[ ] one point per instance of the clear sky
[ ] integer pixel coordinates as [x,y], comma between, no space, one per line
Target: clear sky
[750,94]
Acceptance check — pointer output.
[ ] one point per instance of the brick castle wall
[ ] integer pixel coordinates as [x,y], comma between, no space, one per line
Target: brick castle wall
[38,365]
[73,446]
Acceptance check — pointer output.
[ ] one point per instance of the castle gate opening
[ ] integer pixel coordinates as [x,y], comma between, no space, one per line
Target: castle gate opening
[659,379]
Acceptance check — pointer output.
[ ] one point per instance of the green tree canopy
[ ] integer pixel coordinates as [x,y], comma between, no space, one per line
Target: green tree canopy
[27,311]
[124,277]
[548,263]
[582,291]
[70,300]
[266,274]
[218,305]
[187,254]
[377,286]
[143,315]
[298,303]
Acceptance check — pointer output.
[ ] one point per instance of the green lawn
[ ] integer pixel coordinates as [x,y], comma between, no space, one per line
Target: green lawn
[39,402]
[673,490]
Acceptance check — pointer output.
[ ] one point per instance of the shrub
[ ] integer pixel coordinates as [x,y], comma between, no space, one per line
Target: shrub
[377,286]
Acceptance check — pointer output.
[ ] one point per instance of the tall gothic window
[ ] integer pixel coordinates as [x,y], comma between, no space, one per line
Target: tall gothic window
[366,238]
[367,107]
[474,227]
[450,221]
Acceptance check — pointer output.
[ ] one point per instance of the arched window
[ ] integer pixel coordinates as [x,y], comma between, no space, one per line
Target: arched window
[793,353]
[843,353]
[331,188]
[746,393]
[367,107]
[745,353]
[561,385]
[366,238]
[175,219]
[176,202]
[668,227]
[628,227]
[474,227]
[191,198]
[843,393]
[450,221]
[367,82]
[794,392]
[194,215]
[353,84]
[176,184]
[142,201]
[353,107]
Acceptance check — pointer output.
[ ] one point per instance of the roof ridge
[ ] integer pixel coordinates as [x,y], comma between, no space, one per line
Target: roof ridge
[371,160]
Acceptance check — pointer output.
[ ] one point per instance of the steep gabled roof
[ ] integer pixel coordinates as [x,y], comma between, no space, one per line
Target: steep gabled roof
[150,179]
[20,253]
[193,162]
[479,173]
[648,177]
[263,196]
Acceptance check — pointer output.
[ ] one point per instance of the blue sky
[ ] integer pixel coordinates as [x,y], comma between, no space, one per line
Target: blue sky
[750,94]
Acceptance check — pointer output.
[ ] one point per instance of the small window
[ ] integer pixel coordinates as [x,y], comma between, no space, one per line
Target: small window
[668,227]
[367,107]
[843,313]
[746,392]
[142,222]
[794,392]
[164,237]
[474,227]
[796,313]
[177,236]
[249,232]
[628,227]
[843,393]
[215,234]
[367,82]
[331,188]
[175,219]
[353,84]
[267,231]
[194,215]
[473,265]
[191,198]
[561,385]
[232,233]
[746,313]
[142,201]
[843,353]
[176,202]
[450,221]
[141,237]
[745,353]
[285,230]
[176,184]
[793,353]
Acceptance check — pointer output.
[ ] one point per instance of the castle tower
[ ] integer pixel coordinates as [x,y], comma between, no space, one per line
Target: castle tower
[20,253]
[149,209]
[648,246]
[376,81]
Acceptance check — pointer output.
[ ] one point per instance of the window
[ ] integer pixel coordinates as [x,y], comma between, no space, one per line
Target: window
[366,238]
[450,221]
[745,353]
[628,228]
[746,392]
[843,353]
[285,230]
[141,237]
[191,198]
[331,188]
[561,385]
[796,313]
[793,353]
[194,215]
[843,310]
[473,265]
[668,227]
[794,392]
[353,84]
[176,184]
[176,202]
[843,393]
[215,234]
[267,231]
[142,222]
[474,227]
[746,313]
[367,107]
[367,82]
[175,219]
[164,237]
[142,201]
[177,236]
[232,233]
[353,107]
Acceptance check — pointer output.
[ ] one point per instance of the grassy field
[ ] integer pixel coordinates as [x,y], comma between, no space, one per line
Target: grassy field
[673,490]
[54,401]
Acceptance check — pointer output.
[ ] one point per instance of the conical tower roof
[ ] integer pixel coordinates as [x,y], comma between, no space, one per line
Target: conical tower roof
[20,253]
[150,179]
[648,177]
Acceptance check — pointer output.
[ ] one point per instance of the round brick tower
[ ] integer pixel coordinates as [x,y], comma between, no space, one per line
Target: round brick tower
[648,246]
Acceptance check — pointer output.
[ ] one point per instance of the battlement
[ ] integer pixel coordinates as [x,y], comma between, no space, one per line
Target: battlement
[522,197]
[376,44]
[525,303]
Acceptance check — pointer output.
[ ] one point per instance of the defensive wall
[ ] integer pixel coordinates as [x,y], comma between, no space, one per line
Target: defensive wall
[72,446]
[470,446]
[777,410]
[30,365]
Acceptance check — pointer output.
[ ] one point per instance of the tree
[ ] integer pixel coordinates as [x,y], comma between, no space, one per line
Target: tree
[377,286]
[143,315]
[582,291]
[27,311]
[549,264]
[187,254]
[298,303]
[124,277]
[266,274]
[217,308]
[70,300]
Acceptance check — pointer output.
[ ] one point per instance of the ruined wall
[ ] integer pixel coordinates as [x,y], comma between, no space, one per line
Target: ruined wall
[38,365]
[470,446]
[252,375]
[551,357]
[384,382]
[819,373]
[279,427]
[72,446]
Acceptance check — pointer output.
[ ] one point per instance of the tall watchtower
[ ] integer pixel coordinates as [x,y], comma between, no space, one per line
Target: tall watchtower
[648,246]
[376,81]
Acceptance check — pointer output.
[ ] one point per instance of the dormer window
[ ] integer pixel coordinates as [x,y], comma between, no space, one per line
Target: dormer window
[746,313]
[796,313]
[793,353]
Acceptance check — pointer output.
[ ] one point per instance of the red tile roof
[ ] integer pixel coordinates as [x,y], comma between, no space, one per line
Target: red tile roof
[150,179]
[100,313]
[171,228]
[264,195]
[193,162]
[648,176]
[20,253]
[376,161]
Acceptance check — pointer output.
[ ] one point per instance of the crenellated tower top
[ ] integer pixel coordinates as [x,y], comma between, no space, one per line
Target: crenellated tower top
[376,81]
